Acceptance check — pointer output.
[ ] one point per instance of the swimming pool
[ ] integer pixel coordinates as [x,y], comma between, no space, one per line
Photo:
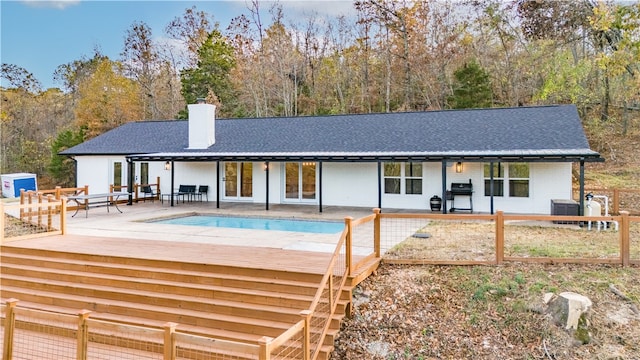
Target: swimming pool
[306,226]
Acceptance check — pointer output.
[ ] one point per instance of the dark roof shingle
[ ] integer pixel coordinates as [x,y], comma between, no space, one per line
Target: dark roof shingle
[552,130]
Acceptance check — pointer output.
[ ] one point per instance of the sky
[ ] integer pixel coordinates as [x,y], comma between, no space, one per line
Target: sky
[41,35]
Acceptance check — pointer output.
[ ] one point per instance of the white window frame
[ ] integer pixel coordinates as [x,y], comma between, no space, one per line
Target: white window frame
[403,178]
[504,176]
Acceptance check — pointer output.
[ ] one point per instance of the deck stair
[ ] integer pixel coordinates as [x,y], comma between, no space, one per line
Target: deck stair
[240,304]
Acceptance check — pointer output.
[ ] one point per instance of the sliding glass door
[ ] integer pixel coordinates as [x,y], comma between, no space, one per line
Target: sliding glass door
[300,181]
[238,180]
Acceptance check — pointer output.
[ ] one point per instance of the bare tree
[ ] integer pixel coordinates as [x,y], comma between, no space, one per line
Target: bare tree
[140,59]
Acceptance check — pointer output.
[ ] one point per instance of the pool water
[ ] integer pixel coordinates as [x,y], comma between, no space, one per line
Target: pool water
[305,226]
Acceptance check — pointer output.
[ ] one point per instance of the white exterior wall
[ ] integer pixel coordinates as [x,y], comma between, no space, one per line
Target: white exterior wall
[546,181]
[552,181]
[186,173]
[97,172]
[260,183]
[349,184]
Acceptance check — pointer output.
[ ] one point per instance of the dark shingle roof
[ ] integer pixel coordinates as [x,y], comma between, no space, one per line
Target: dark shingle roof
[541,131]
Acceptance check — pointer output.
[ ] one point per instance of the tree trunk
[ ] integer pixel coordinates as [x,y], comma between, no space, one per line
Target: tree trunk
[604,115]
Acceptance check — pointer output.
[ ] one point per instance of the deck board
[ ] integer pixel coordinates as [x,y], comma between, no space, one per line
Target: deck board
[243,256]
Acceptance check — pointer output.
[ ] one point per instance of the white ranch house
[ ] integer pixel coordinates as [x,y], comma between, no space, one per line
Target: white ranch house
[390,160]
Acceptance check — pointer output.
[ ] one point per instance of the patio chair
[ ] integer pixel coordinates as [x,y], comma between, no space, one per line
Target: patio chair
[188,191]
[147,193]
[203,190]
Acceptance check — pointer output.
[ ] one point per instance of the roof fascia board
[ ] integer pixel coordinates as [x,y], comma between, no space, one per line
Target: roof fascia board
[347,158]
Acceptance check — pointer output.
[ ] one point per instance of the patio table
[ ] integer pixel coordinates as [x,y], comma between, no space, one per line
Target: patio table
[83,201]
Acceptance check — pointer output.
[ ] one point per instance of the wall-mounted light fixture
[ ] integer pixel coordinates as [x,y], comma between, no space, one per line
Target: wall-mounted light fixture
[458,167]
[167,165]
[265,166]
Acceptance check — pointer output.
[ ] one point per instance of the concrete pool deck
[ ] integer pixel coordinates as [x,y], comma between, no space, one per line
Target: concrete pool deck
[131,224]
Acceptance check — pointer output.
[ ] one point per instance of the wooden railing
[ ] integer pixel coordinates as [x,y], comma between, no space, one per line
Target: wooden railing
[57,192]
[30,197]
[43,217]
[137,190]
[76,336]
[324,304]
[622,252]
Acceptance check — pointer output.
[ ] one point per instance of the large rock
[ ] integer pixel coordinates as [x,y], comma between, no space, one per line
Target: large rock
[571,310]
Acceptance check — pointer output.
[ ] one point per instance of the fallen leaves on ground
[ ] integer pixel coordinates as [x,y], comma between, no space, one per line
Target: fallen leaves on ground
[488,312]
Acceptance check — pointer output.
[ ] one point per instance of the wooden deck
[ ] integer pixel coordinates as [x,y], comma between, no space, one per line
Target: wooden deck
[235,293]
[225,255]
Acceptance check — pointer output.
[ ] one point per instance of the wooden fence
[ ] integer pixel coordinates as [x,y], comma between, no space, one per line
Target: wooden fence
[137,194]
[81,337]
[41,216]
[502,237]
[30,197]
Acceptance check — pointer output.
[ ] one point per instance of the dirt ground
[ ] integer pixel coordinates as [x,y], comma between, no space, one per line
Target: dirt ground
[489,312]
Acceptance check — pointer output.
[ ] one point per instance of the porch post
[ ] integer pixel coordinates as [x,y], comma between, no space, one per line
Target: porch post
[444,186]
[379,184]
[320,185]
[491,184]
[266,170]
[581,210]
[130,181]
[173,169]
[218,184]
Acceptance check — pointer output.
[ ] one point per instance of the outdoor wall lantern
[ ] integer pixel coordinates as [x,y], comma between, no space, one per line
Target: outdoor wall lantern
[265,166]
[167,165]
[458,167]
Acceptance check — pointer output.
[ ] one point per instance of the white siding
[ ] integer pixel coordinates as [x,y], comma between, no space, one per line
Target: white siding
[260,183]
[350,184]
[187,173]
[96,171]
[546,181]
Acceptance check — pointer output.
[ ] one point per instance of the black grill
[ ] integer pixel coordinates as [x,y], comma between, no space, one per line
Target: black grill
[460,189]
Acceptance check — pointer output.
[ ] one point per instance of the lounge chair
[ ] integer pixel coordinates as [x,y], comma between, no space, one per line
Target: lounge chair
[147,193]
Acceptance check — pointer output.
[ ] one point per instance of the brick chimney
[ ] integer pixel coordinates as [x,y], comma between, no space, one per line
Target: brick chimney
[202,129]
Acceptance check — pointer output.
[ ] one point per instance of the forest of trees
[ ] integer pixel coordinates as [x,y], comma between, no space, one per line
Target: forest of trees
[393,55]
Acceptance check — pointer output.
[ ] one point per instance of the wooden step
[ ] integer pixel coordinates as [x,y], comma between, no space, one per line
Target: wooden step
[228,278]
[240,304]
[141,298]
[240,294]
[165,265]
